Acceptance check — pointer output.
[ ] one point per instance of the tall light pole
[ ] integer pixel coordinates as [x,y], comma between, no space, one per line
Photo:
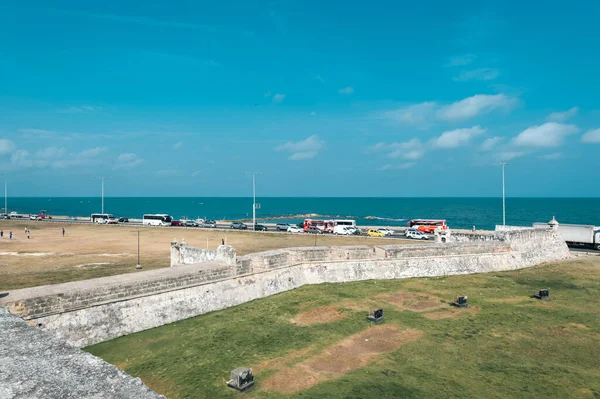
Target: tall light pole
[102,178]
[253,197]
[5,199]
[503,164]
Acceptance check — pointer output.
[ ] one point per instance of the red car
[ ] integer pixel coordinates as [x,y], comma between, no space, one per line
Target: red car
[176,223]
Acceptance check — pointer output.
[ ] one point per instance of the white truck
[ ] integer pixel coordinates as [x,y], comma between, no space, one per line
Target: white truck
[577,234]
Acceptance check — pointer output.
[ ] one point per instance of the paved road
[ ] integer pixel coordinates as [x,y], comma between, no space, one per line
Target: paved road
[581,250]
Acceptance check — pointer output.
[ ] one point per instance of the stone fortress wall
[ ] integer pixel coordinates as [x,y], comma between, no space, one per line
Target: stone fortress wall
[200,281]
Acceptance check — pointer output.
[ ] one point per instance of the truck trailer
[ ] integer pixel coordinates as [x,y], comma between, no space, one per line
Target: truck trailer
[580,234]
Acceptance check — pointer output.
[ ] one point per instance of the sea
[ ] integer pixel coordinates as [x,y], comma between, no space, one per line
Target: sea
[459,213]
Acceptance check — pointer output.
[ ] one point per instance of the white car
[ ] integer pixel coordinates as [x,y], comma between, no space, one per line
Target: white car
[294,229]
[343,230]
[387,232]
[417,235]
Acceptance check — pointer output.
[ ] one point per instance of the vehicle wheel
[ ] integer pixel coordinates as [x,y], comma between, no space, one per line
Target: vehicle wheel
[598,247]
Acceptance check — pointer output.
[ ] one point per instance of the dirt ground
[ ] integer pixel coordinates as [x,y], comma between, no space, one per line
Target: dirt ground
[349,354]
[88,251]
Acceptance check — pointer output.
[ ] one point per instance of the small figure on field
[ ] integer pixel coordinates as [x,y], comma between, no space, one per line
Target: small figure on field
[11,235]
[28,234]
[222,241]
[1,233]
[63,231]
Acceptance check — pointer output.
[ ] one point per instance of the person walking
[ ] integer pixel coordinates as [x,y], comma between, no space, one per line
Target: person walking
[1,233]
[26,229]
[63,231]
[28,234]
[11,235]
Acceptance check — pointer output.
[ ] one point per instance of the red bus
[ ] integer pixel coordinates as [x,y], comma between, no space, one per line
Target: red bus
[325,225]
[427,226]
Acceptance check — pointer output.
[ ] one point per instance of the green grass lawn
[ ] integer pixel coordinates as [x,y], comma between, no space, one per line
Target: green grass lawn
[505,345]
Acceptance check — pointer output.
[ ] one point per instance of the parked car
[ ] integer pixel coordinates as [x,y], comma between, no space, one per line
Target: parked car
[283,226]
[191,223]
[4,216]
[355,231]
[375,233]
[417,235]
[211,224]
[294,229]
[112,221]
[33,217]
[238,226]
[176,223]
[260,227]
[386,231]
[410,230]
[123,220]
[314,230]
[343,230]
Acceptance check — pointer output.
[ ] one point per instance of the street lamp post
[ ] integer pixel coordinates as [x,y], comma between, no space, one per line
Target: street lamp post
[253,197]
[503,164]
[102,178]
[5,199]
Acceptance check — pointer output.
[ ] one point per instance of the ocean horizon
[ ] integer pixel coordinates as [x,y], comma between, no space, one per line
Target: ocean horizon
[459,212]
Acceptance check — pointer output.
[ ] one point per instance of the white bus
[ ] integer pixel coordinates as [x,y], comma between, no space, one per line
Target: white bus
[344,222]
[101,218]
[157,220]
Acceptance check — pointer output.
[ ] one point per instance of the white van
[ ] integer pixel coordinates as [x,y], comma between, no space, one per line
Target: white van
[342,230]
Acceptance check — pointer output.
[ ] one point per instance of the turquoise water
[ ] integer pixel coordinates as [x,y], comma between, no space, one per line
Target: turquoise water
[484,213]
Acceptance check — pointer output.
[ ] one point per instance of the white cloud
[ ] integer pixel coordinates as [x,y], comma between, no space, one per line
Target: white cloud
[320,78]
[471,107]
[563,116]
[460,60]
[477,74]
[128,161]
[92,152]
[51,153]
[346,90]
[417,115]
[404,165]
[278,98]
[591,136]
[549,134]
[409,150]
[509,155]
[196,173]
[6,147]
[313,113]
[552,156]
[83,109]
[177,146]
[457,137]
[23,159]
[304,149]
[490,143]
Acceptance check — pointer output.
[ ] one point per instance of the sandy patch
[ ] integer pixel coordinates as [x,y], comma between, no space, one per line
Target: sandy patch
[451,312]
[320,315]
[578,325]
[416,302]
[349,354]
[279,363]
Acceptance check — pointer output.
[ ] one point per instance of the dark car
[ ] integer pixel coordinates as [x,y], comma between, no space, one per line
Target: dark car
[314,230]
[260,227]
[191,223]
[238,226]
[211,224]
[176,223]
[123,220]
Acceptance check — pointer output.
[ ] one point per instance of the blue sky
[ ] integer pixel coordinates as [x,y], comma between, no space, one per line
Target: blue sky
[323,98]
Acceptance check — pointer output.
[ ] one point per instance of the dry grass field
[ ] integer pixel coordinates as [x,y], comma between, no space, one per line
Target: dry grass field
[89,251]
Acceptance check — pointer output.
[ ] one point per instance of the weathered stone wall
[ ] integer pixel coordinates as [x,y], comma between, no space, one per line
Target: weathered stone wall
[93,311]
[182,254]
[35,364]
